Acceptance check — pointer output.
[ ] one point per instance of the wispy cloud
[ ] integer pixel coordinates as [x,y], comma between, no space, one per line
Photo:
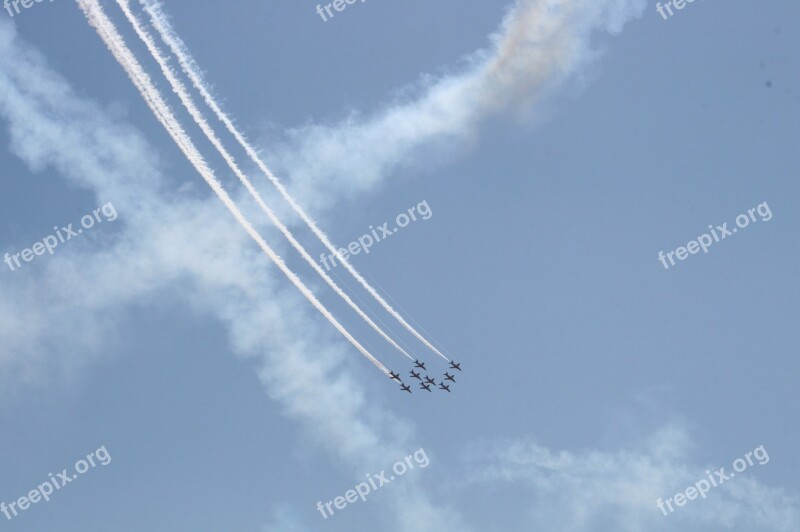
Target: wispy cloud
[156,252]
[617,490]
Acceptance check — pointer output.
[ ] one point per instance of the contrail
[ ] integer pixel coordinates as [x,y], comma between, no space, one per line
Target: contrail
[189,66]
[541,48]
[108,32]
[188,102]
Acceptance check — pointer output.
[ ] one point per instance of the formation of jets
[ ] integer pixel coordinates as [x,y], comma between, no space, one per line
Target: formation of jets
[427,382]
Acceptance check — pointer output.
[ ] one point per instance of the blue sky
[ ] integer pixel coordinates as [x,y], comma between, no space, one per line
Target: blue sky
[595,380]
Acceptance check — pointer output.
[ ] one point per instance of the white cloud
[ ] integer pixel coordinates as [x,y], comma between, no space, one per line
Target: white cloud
[596,490]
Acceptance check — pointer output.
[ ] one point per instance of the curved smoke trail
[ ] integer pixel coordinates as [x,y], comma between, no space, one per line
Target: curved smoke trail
[188,103]
[189,66]
[113,40]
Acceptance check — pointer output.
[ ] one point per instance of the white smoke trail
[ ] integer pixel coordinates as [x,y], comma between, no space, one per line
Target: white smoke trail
[190,106]
[113,40]
[540,46]
[189,66]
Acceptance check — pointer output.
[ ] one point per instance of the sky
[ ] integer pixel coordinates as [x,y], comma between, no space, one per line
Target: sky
[567,153]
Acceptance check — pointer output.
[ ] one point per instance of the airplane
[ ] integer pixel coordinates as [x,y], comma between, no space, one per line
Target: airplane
[394,376]
[453,365]
[420,365]
[443,386]
[423,386]
[415,375]
[429,380]
[449,377]
[405,387]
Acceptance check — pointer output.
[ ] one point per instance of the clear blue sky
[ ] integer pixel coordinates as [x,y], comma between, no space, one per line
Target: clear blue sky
[595,380]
